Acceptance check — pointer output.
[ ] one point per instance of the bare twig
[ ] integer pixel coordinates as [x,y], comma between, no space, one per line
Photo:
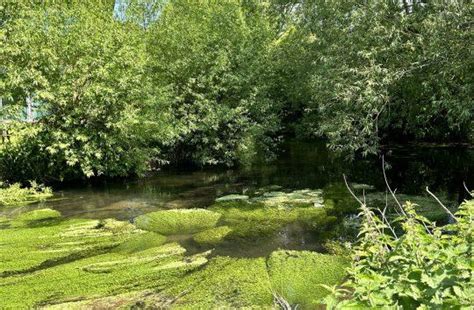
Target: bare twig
[281,302]
[386,203]
[467,189]
[350,191]
[363,195]
[382,213]
[389,188]
[362,204]
[395,197]
[441,204]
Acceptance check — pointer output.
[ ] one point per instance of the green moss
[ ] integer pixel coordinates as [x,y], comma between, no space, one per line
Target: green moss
[182,221]
[225,283]
[4,220]
[297,275]
[314,219]
[99,276]
[338,248]
[212,236]
[338,199]
[249,220]
[120,301]
[266,189]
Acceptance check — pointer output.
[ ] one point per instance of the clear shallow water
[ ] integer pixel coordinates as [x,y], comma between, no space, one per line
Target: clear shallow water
[300,165]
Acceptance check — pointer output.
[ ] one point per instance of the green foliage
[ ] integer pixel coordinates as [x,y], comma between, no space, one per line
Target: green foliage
[85,71]
[426,267]
[172,222]
[297,276]
[212,58]
[16,195]
[212,236]
[119,93]
[382,70]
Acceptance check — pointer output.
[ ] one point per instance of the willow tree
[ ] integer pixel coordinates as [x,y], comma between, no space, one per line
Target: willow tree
[382,69]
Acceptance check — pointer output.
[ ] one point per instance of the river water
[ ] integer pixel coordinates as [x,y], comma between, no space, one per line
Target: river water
[300,165]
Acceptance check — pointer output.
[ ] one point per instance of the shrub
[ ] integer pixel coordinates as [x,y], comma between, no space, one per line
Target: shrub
[15,195]
[425,267]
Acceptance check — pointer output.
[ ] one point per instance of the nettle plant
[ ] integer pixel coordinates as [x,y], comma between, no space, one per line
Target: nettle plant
[407,262]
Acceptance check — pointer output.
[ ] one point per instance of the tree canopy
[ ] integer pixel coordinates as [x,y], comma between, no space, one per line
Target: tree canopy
[127,87]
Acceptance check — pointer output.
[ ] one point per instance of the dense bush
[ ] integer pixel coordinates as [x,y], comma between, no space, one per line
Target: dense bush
[213,59]
[85,72]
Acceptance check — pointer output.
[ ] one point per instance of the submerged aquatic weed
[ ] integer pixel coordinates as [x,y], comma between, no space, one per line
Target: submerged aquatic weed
[39,216]
[182,221]
[225,283]
[80,263]
[141,242]
[15,194]
[27,247]
[256,219]
[99,276]
[232,197]
[98,261]
[212,236]
[425,205]
[304,196]
[297,275]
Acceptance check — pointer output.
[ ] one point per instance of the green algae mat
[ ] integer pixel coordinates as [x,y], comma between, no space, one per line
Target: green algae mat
[48,261]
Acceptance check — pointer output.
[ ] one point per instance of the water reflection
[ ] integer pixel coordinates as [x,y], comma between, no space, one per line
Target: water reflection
[300,165]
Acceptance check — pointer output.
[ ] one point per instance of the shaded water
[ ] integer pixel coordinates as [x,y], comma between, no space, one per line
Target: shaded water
[300,165]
